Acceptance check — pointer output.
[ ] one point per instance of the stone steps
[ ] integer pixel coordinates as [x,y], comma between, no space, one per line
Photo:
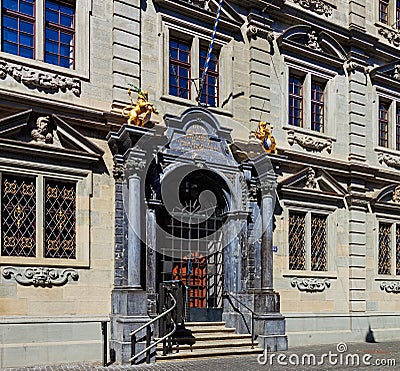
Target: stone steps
[213,339]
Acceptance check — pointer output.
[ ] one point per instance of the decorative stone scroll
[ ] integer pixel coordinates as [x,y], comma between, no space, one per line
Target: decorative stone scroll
[393,36]
[391,286]
[42,81]
[316,6]
[253,30]
[389,160]
[40,276]
[310,284]
[309,143]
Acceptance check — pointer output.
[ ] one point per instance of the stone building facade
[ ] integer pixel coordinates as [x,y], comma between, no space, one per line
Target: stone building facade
[308,237]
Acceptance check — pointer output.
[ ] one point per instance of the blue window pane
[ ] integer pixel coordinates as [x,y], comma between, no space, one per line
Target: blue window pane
[10,35]
[173,54]
[67,9]
[10,22]
[183,72]
[66,38]
[173,44]
[51,34]
[173,90]
[26,27]
[65,50]
[51,16]
[26,40]
[51,59]
[66,21]
[184,47]
[65,62]
[26,8]
[184,57]
[25,52]
[10,48]
[51,5]
[11,5]
[51,47]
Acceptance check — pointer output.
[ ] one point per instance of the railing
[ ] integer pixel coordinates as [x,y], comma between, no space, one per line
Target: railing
[147,326]
[229,297]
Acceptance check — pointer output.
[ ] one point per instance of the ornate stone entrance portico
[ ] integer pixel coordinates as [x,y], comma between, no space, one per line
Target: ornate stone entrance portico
[186,209]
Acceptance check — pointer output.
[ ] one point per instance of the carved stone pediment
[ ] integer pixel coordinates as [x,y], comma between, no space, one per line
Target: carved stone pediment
[388,73]
[312,182]
[387,199]
[205,10]
[42,134]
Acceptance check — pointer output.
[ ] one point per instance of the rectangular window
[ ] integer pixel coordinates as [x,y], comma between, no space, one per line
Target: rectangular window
[60,33]
[209,96]
[297,240]
[384,11]
[317,107]
[18,27]
[179,68]
[60,229]
[383,124]
[295,101]
[318,243]
[398,249]
[398,128]
[384,249]
[18,214]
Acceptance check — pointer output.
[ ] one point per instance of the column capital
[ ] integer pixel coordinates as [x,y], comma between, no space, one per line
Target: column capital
[268,187]
[134,166]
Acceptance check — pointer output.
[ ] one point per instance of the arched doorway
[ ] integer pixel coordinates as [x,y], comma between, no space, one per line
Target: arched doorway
[190,241]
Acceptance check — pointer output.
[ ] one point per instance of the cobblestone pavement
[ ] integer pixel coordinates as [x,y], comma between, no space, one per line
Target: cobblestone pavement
[383,356]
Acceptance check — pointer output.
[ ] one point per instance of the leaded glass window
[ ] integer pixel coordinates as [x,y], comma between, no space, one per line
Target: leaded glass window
[18,227]
[60,223]
[318,243]
[384,253]
[297,240]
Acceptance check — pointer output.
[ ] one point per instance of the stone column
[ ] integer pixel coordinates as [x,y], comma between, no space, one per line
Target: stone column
[268,188]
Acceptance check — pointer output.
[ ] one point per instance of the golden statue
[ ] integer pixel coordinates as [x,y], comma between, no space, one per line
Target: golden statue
[139,114]
[264,134]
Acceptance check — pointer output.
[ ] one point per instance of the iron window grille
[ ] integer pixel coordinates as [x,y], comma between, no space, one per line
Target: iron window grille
[308,241]
[60,33]
[18,27]
[384,249]
[60,229]
[18,198]
[295,101]
[210,89]
[179,68]
[317,107]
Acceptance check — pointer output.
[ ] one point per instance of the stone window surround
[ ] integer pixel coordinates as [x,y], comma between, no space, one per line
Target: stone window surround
[394,102]
[391,25]
[197,36]
[310,72]
[384,219]
[309,208]
[82,37]
[83,191]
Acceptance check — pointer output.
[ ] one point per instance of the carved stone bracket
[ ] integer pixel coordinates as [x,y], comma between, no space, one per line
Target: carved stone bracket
[393,36]
[352,66]
[40,276]
[253,30]
[316,6]
[310,284]
[118,172]
[389,160]
[42,81]
[309,143]
[391,286]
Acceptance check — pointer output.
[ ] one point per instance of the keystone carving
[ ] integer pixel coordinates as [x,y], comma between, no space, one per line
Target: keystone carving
[389,160]
[51,83]
[311,181]
[40,276]
[391,286]
[310,284]
[312,41]
[309,143]
[41,133]
[396,195]
[393,36]
[316,6]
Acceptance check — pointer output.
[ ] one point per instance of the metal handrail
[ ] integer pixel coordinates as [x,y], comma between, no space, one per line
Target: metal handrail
[148,334]
[253,314]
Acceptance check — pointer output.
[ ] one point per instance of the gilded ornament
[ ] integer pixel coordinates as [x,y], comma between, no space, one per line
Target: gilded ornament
[139,114]
[264,134]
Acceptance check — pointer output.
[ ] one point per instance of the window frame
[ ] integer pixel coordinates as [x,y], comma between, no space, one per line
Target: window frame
[82,225]
[82,39]
[393,127]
